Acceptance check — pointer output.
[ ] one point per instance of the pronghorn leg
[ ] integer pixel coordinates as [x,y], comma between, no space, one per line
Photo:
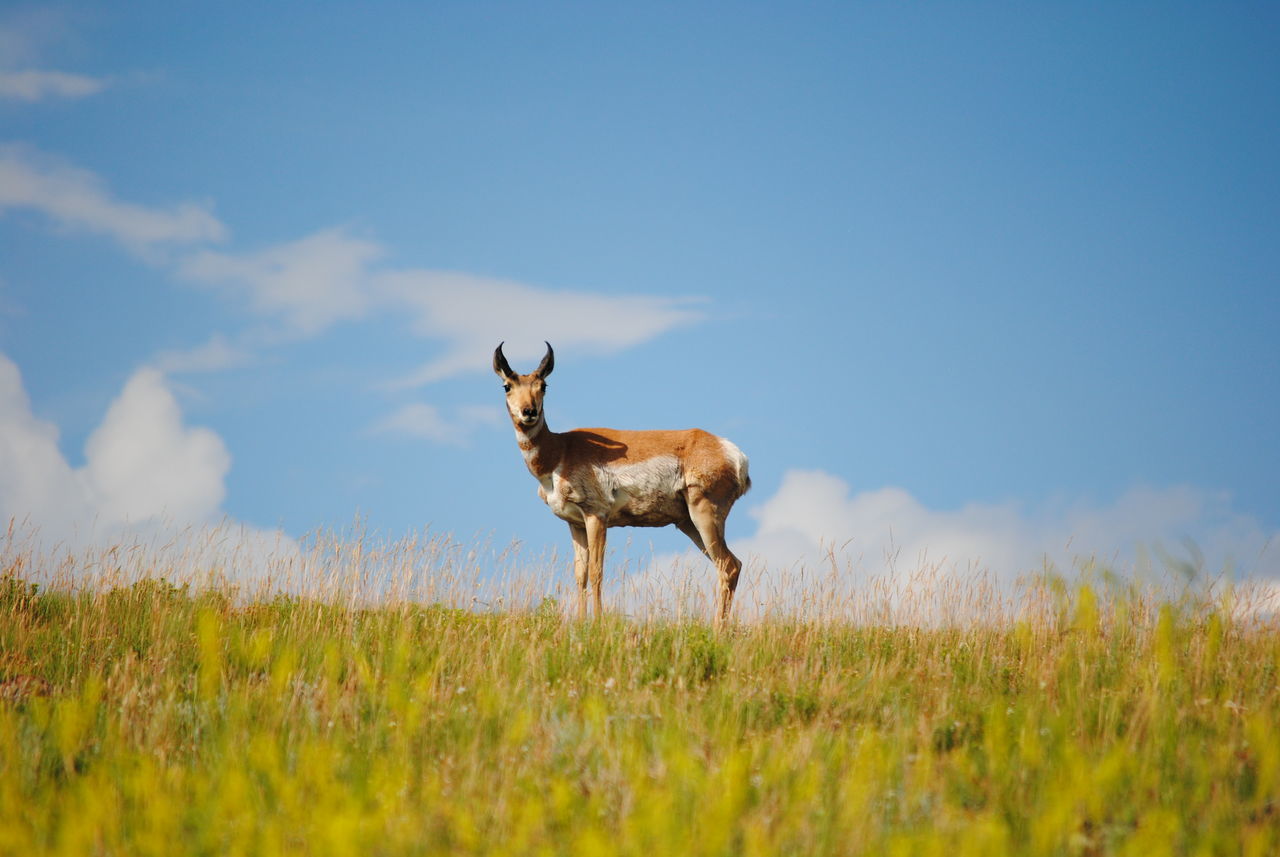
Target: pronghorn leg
[709,522]
[595,559]
[691,531]
[579,533]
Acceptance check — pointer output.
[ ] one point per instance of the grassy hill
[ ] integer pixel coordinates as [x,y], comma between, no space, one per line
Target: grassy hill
[150,718]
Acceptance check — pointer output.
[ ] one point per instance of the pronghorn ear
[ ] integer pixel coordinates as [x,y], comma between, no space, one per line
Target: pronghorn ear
[500,364]
[548,363]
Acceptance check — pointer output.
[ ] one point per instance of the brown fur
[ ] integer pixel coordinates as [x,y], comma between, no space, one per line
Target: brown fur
[599,478]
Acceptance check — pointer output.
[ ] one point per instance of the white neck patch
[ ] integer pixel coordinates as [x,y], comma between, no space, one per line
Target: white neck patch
[525,440]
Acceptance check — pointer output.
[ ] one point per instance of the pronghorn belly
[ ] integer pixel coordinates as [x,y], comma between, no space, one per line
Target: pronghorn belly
[647,493]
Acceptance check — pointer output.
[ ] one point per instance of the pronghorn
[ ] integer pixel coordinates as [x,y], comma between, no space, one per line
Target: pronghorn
[599,478]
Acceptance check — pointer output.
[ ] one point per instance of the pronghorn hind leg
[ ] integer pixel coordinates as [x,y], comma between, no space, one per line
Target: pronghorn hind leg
[579,534]
[709,521]
[595,529]
[686,526]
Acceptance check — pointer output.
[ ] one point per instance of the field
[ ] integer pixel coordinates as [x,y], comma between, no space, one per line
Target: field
[143,717]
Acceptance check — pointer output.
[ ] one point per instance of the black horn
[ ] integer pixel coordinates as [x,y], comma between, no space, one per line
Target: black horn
[548,363]
[500,364]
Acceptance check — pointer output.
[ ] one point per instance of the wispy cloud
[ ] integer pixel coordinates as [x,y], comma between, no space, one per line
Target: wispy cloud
[471,314]
[75,198]
[213,356]
[26,37]
[38,84]
[302,288]
[428,422]
[305,285]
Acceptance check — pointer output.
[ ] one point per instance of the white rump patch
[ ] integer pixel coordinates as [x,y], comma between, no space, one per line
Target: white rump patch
[738,459]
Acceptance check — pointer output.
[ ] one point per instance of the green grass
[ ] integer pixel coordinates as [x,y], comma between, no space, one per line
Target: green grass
[151,718]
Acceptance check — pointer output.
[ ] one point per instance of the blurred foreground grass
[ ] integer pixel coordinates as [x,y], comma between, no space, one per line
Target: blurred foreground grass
[148,718]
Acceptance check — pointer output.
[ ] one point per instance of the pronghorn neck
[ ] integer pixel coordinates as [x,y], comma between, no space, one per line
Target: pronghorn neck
[540,446]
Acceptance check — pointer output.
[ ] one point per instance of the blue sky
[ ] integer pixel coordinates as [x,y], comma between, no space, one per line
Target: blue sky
[999,281]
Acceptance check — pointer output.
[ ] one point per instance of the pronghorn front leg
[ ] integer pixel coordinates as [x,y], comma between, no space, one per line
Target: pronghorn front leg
[579,533]
[596,530]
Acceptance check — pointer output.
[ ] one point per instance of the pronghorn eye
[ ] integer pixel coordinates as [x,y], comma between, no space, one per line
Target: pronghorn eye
[506,388]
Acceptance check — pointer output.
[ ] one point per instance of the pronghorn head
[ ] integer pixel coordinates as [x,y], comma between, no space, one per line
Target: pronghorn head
[524,392]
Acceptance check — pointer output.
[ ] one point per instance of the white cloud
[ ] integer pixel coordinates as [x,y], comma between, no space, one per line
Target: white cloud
[421,420]
[143,463]
[472,314]
[308,284]
[148,478]
[36,482]
[77,199]
[820,545]
[37,84]
[813,514]
[889,528]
